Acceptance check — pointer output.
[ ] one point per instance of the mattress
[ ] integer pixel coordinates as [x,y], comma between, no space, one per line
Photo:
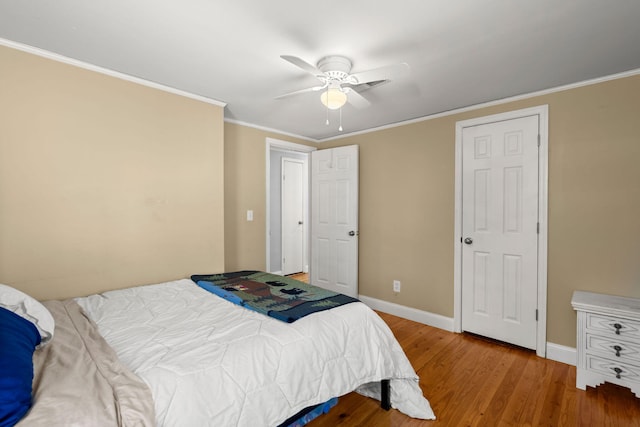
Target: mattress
[209,362]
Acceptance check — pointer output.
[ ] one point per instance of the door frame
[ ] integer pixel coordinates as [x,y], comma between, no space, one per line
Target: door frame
[542,112]
[286,146]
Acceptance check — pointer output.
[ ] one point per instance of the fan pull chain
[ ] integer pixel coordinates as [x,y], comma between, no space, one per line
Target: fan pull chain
[327,123]
[340,128]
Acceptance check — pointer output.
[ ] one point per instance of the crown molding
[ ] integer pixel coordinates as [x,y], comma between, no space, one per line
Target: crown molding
[271,130]
[563,88]
[60,58]
[80,64]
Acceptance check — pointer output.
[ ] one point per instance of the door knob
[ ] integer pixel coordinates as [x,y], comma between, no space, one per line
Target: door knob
[468,240]
[299,222]
[352,233]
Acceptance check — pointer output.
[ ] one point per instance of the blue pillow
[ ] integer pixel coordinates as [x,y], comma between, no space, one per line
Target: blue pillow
[18,340]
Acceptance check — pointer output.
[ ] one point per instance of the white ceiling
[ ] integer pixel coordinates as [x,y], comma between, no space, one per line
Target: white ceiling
[460,52]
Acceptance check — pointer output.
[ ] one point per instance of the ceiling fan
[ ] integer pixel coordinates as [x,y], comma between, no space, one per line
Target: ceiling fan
[338,85]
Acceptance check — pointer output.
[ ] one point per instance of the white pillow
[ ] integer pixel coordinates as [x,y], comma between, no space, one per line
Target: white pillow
[28,308]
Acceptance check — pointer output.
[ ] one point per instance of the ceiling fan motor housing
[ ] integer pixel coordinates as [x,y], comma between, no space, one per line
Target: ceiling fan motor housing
[335,67]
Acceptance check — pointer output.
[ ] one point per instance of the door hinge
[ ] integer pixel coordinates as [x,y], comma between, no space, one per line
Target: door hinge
[538,140]
[536,314]
[538,228]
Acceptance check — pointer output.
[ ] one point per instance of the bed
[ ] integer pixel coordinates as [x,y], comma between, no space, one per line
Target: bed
[174,354]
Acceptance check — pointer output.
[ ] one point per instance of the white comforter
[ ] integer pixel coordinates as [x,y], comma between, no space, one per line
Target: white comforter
[209,362]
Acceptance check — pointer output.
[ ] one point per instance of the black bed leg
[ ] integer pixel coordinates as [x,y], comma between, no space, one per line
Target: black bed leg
[385,394]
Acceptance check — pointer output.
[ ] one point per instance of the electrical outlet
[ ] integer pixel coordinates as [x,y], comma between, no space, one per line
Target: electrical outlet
[396,286]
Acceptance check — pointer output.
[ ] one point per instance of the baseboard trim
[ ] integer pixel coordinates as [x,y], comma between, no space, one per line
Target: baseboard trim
[561,353]
[420,316]
[556,352]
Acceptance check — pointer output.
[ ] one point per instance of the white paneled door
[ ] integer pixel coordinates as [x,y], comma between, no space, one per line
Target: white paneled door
[293,215]
[334,219]
[500,230]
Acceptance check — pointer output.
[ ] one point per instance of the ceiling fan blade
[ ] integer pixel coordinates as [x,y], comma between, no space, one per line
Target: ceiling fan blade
[298,92]
[304,65]
[357,100]
[388,72]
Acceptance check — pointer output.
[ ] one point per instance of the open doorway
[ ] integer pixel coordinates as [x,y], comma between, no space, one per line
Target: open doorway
[276,152]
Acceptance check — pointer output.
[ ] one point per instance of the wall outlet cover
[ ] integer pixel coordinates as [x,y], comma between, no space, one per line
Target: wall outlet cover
[396,286]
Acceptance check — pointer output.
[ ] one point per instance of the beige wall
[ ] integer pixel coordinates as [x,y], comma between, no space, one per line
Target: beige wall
[104,183]
[406,214]
[245,189]
[407,203]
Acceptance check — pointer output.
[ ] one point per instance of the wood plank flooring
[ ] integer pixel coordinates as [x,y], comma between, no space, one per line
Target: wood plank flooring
[473,381]
[303,277]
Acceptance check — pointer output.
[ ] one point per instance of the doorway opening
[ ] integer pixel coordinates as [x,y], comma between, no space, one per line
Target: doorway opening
[276,151]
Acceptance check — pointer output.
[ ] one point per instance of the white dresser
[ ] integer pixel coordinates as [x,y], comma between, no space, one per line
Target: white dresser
[608,347]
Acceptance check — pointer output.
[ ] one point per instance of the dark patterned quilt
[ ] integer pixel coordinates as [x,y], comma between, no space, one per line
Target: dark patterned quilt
[276,296]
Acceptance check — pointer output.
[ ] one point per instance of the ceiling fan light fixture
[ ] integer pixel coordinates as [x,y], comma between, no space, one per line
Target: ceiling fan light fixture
[333,98]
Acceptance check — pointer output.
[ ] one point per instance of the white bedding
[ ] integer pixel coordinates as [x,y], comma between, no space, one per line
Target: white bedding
[209,362]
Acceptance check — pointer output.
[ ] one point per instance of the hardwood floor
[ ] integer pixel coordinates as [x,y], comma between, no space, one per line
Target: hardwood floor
[472,381]
[303,277]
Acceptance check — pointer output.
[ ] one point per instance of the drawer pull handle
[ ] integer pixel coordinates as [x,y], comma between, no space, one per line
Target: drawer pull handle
[618,326]
[618,349]
[618,371]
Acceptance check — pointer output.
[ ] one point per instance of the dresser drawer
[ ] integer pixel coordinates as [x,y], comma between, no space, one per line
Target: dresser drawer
[614,349]
[613,327]
[608,340]
[613,369]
